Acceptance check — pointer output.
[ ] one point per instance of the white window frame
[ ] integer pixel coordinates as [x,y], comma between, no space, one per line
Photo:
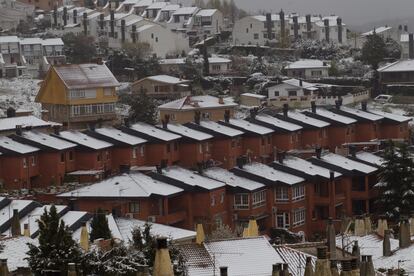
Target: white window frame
[298,192]
[241,201]
[134,152]
[33,159]
[24,162]
[259,199]
[142,150]
[134,207]
[281,194]
[285,217]
[213,200]
[299,217]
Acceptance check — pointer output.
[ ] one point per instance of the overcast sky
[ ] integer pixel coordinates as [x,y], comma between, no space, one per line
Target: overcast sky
[354,12]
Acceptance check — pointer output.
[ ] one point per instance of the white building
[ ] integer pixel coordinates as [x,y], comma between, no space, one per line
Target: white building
[292,88]
[307,69]
[405,46]
[209,22]
[11,12]
[251,30]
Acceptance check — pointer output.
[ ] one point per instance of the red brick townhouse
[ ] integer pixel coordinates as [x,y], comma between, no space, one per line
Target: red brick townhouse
[368,125]
[341,130]
[246,198]
[325,195]
[257,139]
[285,197]
[359,193]
[19,164]
[314,132]
[128,150]
[204,198]
[226,144]
[93,156]
[133,195]
[162,146]
[286,135]
[23,120]
[56,157]
[195,146]
[393,126]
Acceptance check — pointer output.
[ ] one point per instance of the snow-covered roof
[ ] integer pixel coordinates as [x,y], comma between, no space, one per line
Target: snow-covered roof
[15,251]
[126,225]
[370,158]
[332,21]
[207,12]
[347,164]
[272,174]
[335,117]
[246,125]
[167,79]
[262,18]
[143,3]
[52,42]
[277,122]
[9,39]
[244,256]
[117,16]
[391,116]
[7,211]
[120,136]
[197,102]
[307,120]
[221,129]
[307,64]
[170,7]
[406,65]
[11,145]
[362,114]
[47,140]
[24,121]
[186,11]
[30,40]
[297,83]
[253,95]
[135,20]
[145,27]
[232,180]
[378,30]
[82,139]
[192,178]
[172,61]
[188,132]
[155,132]
[77,76]
[135,185]
[216,59]
[307,167]
[157,5]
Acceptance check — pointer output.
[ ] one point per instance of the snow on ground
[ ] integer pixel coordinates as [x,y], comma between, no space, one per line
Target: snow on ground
[19,93]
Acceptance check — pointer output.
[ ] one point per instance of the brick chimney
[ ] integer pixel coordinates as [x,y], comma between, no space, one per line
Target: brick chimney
[134,34]
[84,238]
[346,267]
[309,25]
[200,236]
[404,234]
[334,268]
[382,226]
[318,152]
[112,23]
[269,25]
[369,267]
[65,16]
[285,110]
[406,28]
[19,130]
[285,270]
[4,270]
[331,239]
[26,230]
[227,116]
[313,106]
[101,21]
[309,268]
[276,269]
[355,266]
[340,29]
[386,243]
[326,26]
[75,16]
[165,121]
[85,23]
[359,228]
[220,100]
[280,157]
[411,46]
[356,252]
[224,271]
[123,30]
[322,266]
[295,27]
[197,117]
[162,262]
[352,150]
[282,26]
[364,106]
[15,224]
[363,265]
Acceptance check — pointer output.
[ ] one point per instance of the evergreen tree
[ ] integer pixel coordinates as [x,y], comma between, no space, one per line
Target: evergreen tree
[206,63]
[396,197]
[373,50]
[99,226]
[143,108]
[56,247]
[79,48]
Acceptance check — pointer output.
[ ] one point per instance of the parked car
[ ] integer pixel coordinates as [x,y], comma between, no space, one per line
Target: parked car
[383,98]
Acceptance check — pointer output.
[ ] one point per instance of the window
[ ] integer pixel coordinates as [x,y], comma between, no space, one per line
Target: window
[216,67]
[107,91]
[134,207]
[152,36]
[259,199]
[24,163]
[134,153]
[175,146]
[276,93]
[241,201]
[233,143]
[292,93]
[62,157]
[168,148]
[263,141]
[207,147]
[142,150]
[256,36]
[82,94]
[281,194]
[200,148]
[33,158]
[317,73]
[107,155]
[213,200]
[70,155]
[247,30]
[156,39]
[98,157]
[298,192]
[206,115]
[282,220]
[222,195]
[299,216]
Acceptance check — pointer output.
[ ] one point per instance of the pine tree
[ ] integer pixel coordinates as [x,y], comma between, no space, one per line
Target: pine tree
[396,197]
[373,50]
[99,226]
[56,247]
[143,108]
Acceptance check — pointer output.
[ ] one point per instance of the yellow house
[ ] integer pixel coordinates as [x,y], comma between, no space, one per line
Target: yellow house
[77,95]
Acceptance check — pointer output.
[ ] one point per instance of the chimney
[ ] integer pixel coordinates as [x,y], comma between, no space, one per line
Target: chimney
[165,121]
[285,110]
[400,27]
[346,267]
[285,270]
[162,262]
[75,16]
[282,27]
[340,29]
[295,27]
[200,236]
[318,151]
[326,24]
[322,266]
[386,244]
[85,23]
[280,157]
[368,224]
[331,176]
[220,100]
[301,83]
[364,106]
[369,267]
[404,234]
[72,269]
[356,252]
[112,23]
[406,28]
[4,270]
[355,266]
[127,122]
[412,224]
[200,167]
[134,34]
[352,150]
[309,25]
[269,25]
[15,224]
[309,268]
[197,117]
[240,162]
[331,239]
[359,229]
[84,238]
[19,130]
[65,16]
[55,16]
[363,265]
[11,112]
[411,46]
[123,30]
[159,169]
[223,271]
[26,230]
[253,113]
[227,116]
[338,104]
[101,21]
[382,226]
[276,269]
[313,106]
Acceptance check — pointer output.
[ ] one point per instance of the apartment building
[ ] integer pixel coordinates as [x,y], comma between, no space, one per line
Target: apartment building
[163,87]
[307,69]
[79,95]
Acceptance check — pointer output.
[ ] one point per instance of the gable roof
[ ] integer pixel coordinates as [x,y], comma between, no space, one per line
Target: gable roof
[272,174]
[188,132]
[82,139]
[378,30]
[120,136]
[307,64]
[192,178]
[24,121]
[154,132]
[232,179]
[406,65]
[166,79]
[10,145]
[77,76]
[47,140]
[196,102]
[249,127]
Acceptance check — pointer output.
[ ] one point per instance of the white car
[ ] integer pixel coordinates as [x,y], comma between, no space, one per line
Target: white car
[383,98]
